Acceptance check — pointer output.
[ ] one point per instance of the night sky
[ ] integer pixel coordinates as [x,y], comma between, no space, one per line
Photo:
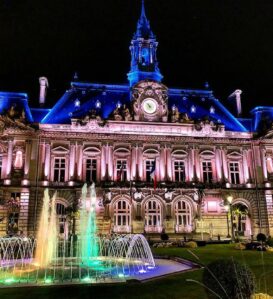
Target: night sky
[227,43]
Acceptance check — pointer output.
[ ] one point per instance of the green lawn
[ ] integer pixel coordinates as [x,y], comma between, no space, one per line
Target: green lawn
[174,286]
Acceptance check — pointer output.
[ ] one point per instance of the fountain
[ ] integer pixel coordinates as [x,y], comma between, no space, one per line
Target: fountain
[91,258]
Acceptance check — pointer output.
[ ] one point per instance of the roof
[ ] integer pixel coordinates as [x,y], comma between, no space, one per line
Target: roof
[82,97]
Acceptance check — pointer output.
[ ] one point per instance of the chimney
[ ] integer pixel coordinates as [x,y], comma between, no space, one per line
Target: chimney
[43,88]
[235,101]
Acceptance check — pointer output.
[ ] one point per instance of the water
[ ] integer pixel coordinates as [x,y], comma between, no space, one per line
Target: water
[88,259]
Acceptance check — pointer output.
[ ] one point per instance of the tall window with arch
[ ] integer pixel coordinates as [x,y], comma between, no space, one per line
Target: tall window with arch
[61,216]
[183,216]
[122,216]
[150,164]
[234,172]
[207,171]
[59,170]
[179,171]
[121,167]
[91,170]
[153,216]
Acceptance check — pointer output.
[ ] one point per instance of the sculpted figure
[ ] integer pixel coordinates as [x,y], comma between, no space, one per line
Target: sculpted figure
[126,113]
[11,112]
[117,114]
[175,116]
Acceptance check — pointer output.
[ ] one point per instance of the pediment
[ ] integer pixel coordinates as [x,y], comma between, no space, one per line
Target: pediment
[60,149]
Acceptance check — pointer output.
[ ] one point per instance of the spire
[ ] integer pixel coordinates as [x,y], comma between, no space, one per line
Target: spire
[143,25]
[144,64]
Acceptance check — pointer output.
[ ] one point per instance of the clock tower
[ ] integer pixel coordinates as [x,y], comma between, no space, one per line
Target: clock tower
[150,101]
[144,64]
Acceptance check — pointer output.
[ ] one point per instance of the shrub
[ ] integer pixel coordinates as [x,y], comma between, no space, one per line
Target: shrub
[240,246]
[164,237]
[253,245]
[261,296]
[261,237]
[230,279]
[191,244]
[269,249]
[201,243]
[269,242]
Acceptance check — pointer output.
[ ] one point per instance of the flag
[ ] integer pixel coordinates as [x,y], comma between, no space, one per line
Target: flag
[120,172]
[153,174]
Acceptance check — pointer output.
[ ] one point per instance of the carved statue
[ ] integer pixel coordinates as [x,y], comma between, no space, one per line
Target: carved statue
[185,118]
[126,113]
[117,114]
[23,116]
[175,115]
[12,111]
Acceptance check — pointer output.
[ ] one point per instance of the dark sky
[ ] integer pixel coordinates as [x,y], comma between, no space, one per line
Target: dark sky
[227,43]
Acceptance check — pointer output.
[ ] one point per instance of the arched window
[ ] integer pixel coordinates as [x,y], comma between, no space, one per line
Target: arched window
[122,216]
[61,215]
[153,216]
[241,220]
[183,216]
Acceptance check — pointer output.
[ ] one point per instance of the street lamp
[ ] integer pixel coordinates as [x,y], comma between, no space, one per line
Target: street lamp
[229,200]
[227,210]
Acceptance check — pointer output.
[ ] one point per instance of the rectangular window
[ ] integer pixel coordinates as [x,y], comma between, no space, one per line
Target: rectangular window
[234,172]
[207,171]
[91,170]
[121,170]
[59,170]
[179,171]
[150,164]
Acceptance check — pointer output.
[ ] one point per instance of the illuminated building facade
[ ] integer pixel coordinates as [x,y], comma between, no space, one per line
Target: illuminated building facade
[163,159]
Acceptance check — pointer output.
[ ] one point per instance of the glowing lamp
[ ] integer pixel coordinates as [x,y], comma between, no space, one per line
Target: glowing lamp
[229,199]
[193,109]
[118,104]
[226,208]
[212,110]
[98,104]
[77,103]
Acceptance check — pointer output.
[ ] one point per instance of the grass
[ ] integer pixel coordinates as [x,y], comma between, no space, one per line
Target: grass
[170,287]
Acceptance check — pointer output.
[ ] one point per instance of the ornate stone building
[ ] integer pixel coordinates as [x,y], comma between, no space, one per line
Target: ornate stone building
[163,159]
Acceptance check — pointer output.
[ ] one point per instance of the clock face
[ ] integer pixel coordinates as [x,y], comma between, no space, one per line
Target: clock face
[149,105]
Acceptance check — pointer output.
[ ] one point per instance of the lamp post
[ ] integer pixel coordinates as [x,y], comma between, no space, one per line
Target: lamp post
[229,200]
[227,210]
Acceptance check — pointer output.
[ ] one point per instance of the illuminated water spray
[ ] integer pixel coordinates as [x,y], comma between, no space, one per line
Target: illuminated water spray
[88,227]
[90,258]
[47,232]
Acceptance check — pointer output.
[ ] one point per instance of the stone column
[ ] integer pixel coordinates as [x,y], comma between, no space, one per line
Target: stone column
[265,173]
[9,158]
[110,162]
[218,164]
[191,163]
[169,164]
[79,161]
[27,159]
[103,162]
[225,166]
[47,161]
[162,164]
[197,164]
[133,162]
[140,162]
[72,162]
[245,166]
